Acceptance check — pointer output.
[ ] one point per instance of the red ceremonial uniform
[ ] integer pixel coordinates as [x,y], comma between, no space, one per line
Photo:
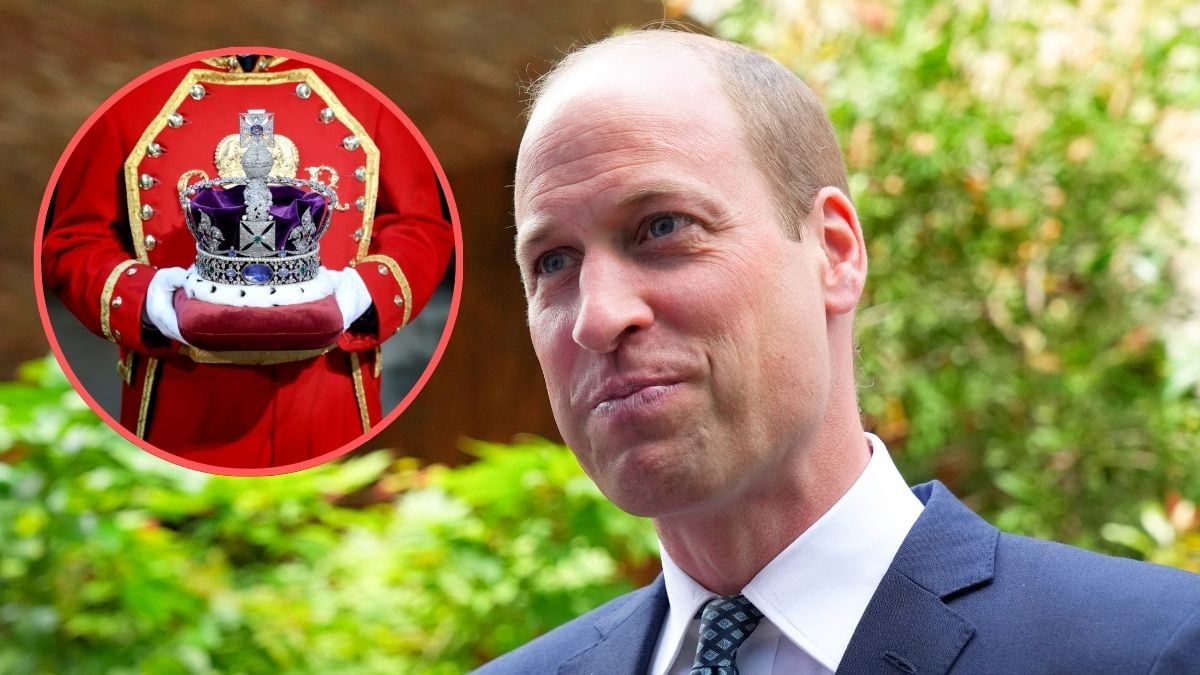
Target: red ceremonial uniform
[118,218]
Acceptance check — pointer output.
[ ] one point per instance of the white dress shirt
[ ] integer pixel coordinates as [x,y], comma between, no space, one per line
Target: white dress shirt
[813,594]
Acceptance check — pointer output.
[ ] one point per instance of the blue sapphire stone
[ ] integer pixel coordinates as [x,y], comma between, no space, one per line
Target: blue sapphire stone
[230,273]
[257,274]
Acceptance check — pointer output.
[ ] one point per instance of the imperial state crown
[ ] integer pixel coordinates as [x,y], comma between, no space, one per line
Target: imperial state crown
[255,284]
[257,230]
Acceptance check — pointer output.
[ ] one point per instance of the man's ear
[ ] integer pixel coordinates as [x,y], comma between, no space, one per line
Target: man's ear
[835,223]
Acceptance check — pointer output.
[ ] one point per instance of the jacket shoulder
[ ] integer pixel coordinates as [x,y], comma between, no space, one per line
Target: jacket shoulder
[1054,606]
[1035,606]
[1091,578]
[546,653]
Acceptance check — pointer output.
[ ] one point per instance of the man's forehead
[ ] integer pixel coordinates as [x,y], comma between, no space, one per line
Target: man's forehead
[670,79]
[621,108]
[606,157]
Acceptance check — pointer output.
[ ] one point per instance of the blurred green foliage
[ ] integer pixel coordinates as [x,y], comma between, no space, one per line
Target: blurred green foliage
[114,561]
[1167,534]
[1012,168]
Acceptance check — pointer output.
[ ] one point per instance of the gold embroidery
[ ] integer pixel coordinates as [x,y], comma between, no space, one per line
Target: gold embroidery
[125,368]
[360,392]
[394,267]
[186,177]
[106,296]
[228,157]
[147,391]
[252,358]
[306,75]
[370,186]
[231,63]
[378,362]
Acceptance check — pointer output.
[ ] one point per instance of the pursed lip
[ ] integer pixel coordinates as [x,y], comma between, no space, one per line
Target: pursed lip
[618,389]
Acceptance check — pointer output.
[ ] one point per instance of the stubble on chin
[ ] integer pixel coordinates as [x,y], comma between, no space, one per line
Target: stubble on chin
[653,479]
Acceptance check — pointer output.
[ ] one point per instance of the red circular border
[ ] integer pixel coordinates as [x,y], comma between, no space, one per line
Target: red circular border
[456,224]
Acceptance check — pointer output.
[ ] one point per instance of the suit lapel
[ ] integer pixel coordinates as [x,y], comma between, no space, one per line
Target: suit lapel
[626,638]
[908,627]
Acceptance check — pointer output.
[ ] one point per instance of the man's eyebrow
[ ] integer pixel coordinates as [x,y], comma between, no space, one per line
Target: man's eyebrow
[673,189]
[650,193]
[535,231]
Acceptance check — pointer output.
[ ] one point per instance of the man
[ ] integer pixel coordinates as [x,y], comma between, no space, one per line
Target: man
[692,263]
[117,245]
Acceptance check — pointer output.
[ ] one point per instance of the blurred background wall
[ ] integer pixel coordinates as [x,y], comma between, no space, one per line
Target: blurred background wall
[453,67]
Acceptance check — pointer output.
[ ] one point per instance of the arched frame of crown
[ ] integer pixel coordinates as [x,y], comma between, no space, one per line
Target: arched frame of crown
[297,76]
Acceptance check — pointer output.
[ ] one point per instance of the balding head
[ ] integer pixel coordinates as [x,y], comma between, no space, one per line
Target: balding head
[783,124]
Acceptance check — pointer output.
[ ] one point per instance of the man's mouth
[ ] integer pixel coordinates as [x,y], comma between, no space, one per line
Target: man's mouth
[630,394]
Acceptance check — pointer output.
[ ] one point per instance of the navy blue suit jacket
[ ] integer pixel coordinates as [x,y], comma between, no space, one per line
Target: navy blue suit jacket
[960,596]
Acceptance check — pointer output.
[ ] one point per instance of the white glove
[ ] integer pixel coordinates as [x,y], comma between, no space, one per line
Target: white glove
[160,301]
[351,293]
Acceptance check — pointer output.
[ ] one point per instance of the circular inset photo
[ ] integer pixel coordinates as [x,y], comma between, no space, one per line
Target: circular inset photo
[249,261]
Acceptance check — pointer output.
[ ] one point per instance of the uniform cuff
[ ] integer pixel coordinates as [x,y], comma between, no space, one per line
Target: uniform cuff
[390,292]
[121,303]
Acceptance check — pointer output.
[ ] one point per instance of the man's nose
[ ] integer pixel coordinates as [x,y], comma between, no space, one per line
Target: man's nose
[611,304]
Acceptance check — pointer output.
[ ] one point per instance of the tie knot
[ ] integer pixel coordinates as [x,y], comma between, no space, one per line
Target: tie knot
[725,623]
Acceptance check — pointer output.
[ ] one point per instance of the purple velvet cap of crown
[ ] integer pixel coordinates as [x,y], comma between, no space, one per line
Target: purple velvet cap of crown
[226,207]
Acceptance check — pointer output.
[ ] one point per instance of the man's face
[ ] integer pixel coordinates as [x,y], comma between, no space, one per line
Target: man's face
[681,333]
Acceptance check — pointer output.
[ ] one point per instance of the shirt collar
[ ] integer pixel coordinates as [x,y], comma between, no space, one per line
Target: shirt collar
[816,590]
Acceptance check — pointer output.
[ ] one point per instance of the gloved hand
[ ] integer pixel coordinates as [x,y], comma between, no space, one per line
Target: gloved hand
[351,293]
[160,301]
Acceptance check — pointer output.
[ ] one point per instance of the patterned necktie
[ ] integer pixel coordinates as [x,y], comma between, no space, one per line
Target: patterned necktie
[725,623]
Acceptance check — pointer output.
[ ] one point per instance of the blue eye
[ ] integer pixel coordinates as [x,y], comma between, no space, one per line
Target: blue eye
[551,263]
[663,224]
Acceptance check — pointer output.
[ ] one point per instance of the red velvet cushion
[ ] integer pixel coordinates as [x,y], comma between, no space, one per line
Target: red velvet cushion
[312,325]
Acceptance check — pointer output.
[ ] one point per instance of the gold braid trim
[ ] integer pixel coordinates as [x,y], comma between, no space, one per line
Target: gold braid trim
[401,280]
[306,75]
[230,62]
[360,392]
[125,368]
[147,392]
[106,296]
[251,357]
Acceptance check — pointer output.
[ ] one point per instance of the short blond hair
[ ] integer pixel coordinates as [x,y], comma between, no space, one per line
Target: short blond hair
[785,126]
